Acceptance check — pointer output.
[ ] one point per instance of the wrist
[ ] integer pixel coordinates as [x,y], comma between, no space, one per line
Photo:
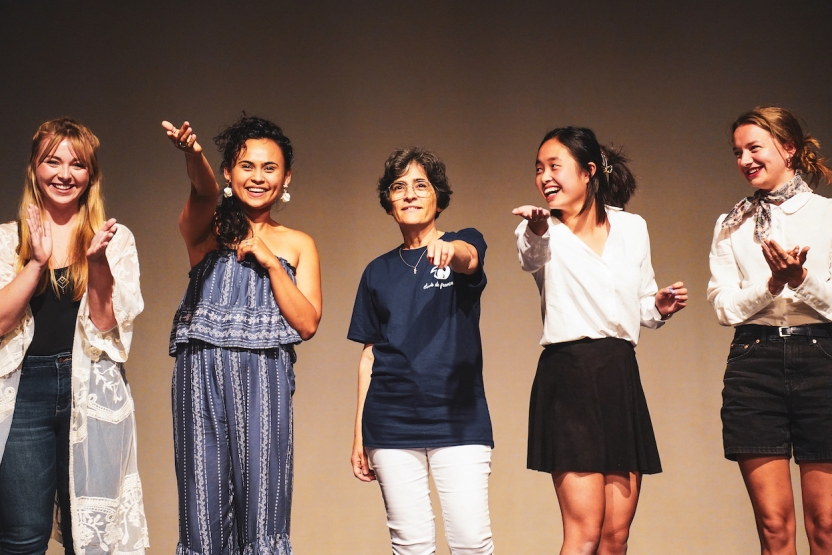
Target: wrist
[797,282]
[775,286]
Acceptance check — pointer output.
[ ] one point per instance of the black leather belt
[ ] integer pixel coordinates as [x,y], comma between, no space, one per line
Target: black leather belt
[776,333]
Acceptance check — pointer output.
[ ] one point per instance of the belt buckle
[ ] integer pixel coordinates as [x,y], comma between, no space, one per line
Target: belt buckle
[784,331]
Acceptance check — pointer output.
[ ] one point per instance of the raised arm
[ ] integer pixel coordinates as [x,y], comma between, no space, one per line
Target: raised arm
[16,294]
[360,467]
[197,216]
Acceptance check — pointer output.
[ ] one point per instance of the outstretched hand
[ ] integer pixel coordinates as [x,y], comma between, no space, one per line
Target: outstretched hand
[537,217]
[182,137]
[786,266]
[98,245]
[671,300]
[40,237]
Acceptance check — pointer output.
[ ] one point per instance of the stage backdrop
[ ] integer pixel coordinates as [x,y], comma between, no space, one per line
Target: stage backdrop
[479,82]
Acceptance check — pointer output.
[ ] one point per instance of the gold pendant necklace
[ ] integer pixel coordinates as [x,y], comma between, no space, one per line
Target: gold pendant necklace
[62,283]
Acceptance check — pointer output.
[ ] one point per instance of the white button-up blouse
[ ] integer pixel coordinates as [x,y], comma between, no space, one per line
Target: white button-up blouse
[584,295]
[738,289]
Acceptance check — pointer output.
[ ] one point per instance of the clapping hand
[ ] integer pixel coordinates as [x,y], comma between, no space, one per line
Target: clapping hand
[40,237]
[98,245]
[786,266]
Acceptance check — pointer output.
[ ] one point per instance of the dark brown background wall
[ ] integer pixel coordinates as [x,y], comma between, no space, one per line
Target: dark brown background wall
[480,83]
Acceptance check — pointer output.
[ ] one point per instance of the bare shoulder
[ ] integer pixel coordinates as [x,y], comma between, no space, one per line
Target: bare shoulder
[291,244]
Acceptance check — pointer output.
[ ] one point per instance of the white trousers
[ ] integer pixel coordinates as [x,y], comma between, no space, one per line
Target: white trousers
[461,477]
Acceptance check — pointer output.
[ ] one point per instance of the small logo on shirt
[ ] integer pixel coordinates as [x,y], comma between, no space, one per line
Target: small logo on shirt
[441,273]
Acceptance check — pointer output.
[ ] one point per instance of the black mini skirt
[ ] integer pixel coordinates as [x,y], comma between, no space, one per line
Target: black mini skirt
[588,412]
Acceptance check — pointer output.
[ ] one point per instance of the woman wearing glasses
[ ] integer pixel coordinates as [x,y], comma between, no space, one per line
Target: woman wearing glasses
[421,401]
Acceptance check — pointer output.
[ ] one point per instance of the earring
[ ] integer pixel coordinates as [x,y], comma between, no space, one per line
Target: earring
[789,162]
[285,197]
[226,192]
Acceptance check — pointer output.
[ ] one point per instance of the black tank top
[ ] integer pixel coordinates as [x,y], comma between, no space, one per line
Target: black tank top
[55,316]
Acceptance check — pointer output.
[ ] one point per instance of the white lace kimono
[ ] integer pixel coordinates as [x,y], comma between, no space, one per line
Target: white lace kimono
[104,487]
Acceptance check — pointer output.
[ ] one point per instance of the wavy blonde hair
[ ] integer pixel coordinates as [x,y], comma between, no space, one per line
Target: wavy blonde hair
[90,217]
[784,126]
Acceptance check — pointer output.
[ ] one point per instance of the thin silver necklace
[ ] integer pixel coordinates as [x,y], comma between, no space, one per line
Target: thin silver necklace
[411,265]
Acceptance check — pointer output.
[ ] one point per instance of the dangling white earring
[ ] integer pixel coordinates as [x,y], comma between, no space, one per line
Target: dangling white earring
[285,197]
[227,191]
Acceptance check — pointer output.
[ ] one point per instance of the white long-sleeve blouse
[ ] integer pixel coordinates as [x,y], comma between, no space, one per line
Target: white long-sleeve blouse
[738,288]
[104,486]
[584,295]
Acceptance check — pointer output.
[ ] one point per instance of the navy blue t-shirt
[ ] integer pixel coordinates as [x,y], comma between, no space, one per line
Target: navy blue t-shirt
[426,388]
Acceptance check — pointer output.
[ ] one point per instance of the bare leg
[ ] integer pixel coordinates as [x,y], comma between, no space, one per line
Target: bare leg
[581,496]
[770,489]
[621,493]
[816,486]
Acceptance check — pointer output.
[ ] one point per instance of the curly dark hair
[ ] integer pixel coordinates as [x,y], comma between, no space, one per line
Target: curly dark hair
[230,223]
[614,188]
[396,166]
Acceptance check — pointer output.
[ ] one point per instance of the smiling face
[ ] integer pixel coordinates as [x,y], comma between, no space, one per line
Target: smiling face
[761,159]
[559,178]
[258,174]
[61,177]
[412,209]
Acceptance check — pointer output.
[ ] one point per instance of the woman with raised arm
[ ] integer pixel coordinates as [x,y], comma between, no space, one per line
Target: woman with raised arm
[588,420]
[254,292]
[421,402]
[69,292]
[765,281]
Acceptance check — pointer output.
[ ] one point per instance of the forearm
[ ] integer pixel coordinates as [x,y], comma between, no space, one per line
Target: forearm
[365,371]
[202,177]
[15,296]
[100,295]
[465,259]
[295,307]
[532,249]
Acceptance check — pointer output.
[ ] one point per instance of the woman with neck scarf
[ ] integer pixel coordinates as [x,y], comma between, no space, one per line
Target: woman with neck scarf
[770,278]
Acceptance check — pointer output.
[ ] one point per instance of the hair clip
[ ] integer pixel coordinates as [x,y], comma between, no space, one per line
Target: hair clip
[607,168]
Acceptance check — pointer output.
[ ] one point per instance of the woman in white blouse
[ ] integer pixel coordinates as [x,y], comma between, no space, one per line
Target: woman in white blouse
[765,281]
[588,420]
[69,291]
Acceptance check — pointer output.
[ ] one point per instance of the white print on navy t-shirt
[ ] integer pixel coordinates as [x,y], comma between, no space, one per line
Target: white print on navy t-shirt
[439,273]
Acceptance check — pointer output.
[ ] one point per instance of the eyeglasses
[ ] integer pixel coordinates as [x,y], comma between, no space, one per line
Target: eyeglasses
[421,189]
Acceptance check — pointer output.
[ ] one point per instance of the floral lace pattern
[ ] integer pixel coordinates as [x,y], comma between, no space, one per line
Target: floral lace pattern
[105,490]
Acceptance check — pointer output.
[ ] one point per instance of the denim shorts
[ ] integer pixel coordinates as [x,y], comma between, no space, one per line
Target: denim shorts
[777,396]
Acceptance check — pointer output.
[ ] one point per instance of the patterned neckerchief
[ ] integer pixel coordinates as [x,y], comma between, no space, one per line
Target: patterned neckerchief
[762,200]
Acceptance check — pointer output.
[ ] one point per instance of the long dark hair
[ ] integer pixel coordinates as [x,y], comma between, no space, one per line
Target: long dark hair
[612,183]
[230,223]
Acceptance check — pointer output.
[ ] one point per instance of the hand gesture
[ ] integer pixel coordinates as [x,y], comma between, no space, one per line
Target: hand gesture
[182,137]
[360,466]
[98,245]
[440,253]
[40,237]
[537,217]
[671,299]
[257,248]
[786,266]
